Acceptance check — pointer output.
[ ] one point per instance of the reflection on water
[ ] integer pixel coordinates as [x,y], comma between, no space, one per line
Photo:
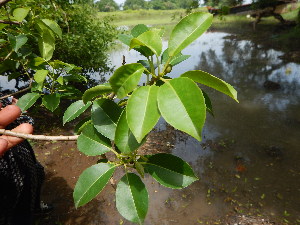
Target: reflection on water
[248,159]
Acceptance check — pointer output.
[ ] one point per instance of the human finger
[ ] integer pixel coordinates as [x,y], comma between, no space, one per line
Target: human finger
[3,146]
[8,115]
[24,128]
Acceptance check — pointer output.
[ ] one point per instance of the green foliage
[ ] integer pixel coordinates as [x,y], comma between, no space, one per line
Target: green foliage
[129,113]
[134,4]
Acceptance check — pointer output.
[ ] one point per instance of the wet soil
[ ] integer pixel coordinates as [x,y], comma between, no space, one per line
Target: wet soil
[212,200]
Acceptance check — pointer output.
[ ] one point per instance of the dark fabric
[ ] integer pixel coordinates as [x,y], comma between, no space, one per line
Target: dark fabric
[21,177]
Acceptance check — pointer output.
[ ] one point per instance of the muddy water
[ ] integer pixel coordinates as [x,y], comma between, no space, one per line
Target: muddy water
[248,161]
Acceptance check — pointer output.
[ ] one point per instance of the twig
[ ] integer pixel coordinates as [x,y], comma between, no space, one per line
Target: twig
[3,2]
[9,22]
[18,92]
[39,137]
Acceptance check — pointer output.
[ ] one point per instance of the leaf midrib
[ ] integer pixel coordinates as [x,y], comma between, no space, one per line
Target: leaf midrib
[79,201]
[138,216]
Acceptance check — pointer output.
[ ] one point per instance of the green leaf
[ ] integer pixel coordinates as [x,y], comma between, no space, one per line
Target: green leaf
[126,39]
[105,115]
[175,60]
[26,101]
[126,78]
[181,103]
[139,168]
[92,143]
[170,171]
[151,39]
[139,29]
[211,81]
[142,111]
[17,41]
[188,30]
[81,124]
[20,13]
[51,101]
[91,182]
[96,91]
[46,43]
[132,198]
[124,138]
[74,110]
[53,26]
[40,76]
[208,104]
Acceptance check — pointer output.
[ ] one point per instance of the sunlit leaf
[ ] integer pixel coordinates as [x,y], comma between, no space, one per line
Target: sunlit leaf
[132,198]
[19,14]
[92,143]
[91,182]
[105,115]
[46,43]
[181,103]
[96,91]
[51,101]
[17,41]
[142,111]
[188,30]
[211,81]
[26,101]
[169,170]
[124,139]
[175,60]
[151,39]
[74,110]
[138,30]
[40,76]
[53,26]
[126,78]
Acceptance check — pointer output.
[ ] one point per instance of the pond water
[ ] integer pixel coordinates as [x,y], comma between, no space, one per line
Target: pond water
[248,160]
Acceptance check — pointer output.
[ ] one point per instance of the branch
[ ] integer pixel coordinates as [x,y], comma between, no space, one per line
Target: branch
[3,2]
[10,22]
[18,92]
[39,137]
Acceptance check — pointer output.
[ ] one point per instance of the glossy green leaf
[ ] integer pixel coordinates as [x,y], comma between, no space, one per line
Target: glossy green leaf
[40,76]
[46,43]
[170,171]
[74,110]
[91,182]
[124,139]
[126,39]
[126,78]
[26,101]
[17,41]
[105,116]
[51,101]
[208,104]
[53,26]
[181,103]
[211,81]
[96,91]
[142,111]
[138,30]
[151,39]
[175,60]
[20,14]
[132,198]
[188,30]
[91,142]
[81,124]
[139,168]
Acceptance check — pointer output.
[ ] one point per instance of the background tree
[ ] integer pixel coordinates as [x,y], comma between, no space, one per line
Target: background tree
[134,4]
[82,33]
[107,5]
